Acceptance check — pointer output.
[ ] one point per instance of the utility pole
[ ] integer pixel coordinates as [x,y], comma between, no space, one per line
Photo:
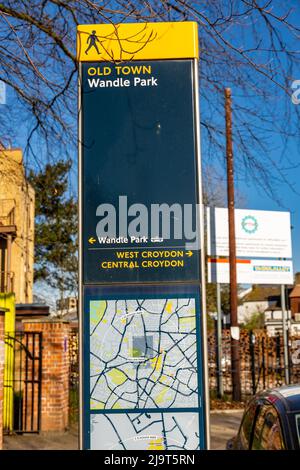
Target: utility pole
[234,329]
[219,342]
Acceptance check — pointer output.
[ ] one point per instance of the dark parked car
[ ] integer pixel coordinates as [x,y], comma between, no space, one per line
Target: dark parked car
[271,421]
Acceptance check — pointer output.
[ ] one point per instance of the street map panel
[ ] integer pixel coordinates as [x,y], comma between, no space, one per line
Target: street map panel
[143,354]
[145,431]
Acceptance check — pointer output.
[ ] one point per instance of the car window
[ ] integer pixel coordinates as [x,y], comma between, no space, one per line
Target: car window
[271,436]
[298,427]
[246,426]
[268,433]
[258,428]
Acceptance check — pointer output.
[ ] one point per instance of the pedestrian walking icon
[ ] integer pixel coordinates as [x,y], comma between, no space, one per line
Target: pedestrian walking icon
[92,42]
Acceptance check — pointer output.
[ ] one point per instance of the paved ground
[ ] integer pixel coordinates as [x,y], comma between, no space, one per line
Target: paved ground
[224,425]
[43,441]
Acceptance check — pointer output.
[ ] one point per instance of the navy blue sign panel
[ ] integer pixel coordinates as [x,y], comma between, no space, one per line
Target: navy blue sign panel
[143,383]
[138,131]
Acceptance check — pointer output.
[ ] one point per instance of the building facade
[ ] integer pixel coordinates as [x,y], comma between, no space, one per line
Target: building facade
[16,227]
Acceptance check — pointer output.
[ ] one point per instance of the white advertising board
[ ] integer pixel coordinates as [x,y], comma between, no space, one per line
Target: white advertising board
[261,234]
[252,271]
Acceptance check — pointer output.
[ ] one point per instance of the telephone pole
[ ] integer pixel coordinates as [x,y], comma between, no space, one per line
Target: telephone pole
[234,328]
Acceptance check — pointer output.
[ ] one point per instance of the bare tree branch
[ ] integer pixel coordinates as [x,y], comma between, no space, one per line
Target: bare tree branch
[250,45]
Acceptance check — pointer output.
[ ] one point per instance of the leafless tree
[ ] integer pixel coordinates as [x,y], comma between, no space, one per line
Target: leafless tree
[250,45]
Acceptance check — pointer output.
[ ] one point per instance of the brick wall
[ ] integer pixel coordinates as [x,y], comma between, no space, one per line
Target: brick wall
[55,372]
[1,375]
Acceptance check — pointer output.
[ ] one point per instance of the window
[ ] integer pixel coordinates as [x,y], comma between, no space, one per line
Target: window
[268,433]
[298,427]
[257,429]
[247,425]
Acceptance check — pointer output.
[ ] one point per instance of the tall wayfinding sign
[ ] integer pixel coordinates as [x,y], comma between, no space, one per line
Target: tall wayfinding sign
[144,377]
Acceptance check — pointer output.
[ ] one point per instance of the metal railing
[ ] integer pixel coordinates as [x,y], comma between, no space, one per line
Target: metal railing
[261,361]
[7,281]
[7,211]
[22,382]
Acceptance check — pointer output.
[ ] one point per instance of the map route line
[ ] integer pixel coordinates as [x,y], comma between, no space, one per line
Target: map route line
[159,340]
[183,435]
[99,320]
[115,429]
[176,345]
[115,393]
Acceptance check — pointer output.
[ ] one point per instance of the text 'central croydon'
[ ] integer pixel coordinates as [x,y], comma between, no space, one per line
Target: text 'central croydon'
[147,259]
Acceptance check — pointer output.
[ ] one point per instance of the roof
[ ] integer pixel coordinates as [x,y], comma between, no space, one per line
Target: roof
[262,293]
[265,293]
[289,395]
[32,310]
[296,291]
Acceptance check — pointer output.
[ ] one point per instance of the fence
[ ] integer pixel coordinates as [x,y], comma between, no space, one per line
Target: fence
[22,382]
[74,376]
[261,360]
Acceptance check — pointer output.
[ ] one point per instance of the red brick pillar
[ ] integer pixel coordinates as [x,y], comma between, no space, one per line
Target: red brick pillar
[55,372]
[2,318]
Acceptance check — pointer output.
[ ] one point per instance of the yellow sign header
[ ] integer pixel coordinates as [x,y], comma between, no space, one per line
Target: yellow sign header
[137,41]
